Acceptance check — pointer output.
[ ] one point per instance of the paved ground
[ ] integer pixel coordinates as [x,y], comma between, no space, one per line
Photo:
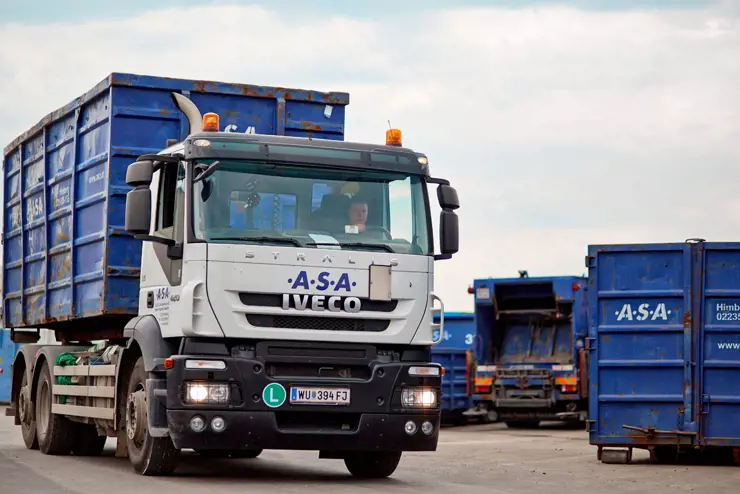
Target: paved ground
[488,459]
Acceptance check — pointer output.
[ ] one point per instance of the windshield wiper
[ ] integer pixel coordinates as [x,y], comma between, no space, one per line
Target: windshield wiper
[385,247]
[282,240]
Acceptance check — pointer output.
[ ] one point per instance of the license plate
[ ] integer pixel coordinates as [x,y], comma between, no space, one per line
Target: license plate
[319,396]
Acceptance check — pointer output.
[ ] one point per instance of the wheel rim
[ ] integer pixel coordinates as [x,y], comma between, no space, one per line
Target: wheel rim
[24,403]
[136,416]
[44,410]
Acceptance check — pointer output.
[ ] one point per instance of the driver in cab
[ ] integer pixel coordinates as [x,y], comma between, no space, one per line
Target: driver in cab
[357,213]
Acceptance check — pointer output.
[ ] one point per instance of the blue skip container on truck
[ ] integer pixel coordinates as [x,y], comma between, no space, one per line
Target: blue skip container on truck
[455,353]
[532,336]
[664,349]
[251,281]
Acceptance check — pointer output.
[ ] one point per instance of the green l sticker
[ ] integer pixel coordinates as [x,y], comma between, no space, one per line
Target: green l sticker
[274,395]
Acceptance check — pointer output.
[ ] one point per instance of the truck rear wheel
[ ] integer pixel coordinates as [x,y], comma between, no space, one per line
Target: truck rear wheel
[26,414]
[55,432]
[148,455]
[372,464]
[87,441]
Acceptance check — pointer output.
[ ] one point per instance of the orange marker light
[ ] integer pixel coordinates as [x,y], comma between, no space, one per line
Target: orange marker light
[393,137]
[210,122]
[169,364]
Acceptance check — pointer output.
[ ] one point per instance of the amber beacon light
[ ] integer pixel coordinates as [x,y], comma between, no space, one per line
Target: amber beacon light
[210,122]
[393,137]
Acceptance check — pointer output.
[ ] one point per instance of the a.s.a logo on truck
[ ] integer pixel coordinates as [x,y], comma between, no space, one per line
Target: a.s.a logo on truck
[323,282]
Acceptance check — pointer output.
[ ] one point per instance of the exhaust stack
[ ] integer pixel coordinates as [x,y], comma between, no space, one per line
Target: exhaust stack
[195,119]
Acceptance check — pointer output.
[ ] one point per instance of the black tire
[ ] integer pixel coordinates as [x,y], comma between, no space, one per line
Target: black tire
[523,424]
[28,427]
[55,433]
[491,416]
[229,453]
[154,455]
[88,442]
[373,465]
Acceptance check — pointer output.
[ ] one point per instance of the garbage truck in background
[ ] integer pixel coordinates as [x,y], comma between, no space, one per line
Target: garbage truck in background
[252,280]
[531,364]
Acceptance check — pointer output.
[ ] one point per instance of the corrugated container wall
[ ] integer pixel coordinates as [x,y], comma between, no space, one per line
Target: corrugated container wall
[451,353]
[665,344]
[66,253]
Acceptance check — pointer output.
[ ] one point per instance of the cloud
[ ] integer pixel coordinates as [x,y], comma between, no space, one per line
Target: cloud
[560,127]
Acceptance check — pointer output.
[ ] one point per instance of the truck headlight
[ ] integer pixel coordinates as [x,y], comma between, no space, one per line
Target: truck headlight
[201,392]
[418,397]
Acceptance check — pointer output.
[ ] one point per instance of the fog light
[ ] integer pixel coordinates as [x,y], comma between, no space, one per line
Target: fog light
[427,428]
[218,424]
[410,428]
[197,424]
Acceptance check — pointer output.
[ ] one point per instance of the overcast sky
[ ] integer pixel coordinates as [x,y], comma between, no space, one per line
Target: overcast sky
[562,124]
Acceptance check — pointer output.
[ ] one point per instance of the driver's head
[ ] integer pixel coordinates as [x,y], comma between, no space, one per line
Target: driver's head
[358,212]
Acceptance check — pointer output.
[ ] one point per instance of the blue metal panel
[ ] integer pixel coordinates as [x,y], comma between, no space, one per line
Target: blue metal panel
[455,381]
[66,254]
[8,349]
[640,335]
[550,345]
[459,337]
[459,331]
[717,347]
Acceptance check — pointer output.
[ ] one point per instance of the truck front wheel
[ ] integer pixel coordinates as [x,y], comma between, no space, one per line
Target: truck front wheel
[148,455]
[372,465]
[55,432]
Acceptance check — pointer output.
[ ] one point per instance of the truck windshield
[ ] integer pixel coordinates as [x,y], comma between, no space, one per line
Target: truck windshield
[313,207]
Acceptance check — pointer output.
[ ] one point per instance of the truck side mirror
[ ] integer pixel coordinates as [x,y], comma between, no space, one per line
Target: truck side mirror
[449,228]
[139,201]
[140,173]
[138,210]
[447,197]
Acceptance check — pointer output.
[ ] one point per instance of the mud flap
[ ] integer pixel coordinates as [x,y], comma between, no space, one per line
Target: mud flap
[156,398]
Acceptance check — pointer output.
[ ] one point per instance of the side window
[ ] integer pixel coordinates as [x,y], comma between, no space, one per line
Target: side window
[171,202]
[401,209]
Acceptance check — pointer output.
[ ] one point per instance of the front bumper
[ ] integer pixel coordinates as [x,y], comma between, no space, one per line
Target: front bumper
[260,430]
[374,419]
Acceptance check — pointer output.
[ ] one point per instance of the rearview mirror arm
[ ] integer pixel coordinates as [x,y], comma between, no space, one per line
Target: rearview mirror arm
[157,240]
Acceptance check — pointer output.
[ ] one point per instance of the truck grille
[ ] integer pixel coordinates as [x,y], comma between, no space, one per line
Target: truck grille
[276,300]
[318,323]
